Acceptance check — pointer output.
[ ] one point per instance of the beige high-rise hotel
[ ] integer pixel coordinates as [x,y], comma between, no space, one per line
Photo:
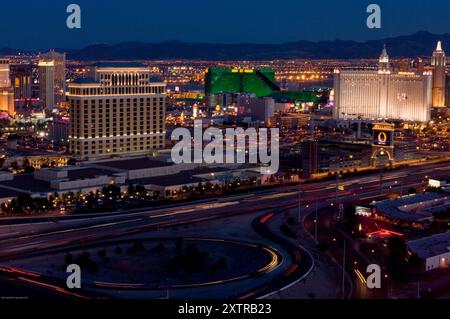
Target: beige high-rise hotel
[382,94]
[118,110]
[52,79]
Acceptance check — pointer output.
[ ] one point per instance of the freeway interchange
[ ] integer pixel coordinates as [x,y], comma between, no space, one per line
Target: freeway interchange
[27,238]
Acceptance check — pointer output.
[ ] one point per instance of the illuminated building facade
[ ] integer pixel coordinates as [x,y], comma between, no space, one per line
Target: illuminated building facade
[447,90]
[438,61]
[46,84]
[259,109]
[119,110]
[382,142]
[21,80]
[382,94]
[6,91]
[52,78]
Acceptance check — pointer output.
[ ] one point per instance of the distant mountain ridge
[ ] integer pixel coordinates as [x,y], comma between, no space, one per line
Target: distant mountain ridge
[419,44]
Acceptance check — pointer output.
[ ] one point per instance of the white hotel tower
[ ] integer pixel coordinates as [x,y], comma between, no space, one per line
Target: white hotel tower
[382,94]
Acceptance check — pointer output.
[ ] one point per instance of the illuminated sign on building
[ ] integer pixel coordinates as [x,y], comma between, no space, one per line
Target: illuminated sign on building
[383,141]
[382,138]
[363,211]
[383,134]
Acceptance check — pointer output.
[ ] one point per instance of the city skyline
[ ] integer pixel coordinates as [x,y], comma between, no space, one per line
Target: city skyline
[192,170]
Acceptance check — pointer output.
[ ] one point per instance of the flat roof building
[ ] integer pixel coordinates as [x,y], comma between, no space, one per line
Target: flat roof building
[418,208]
[434,250]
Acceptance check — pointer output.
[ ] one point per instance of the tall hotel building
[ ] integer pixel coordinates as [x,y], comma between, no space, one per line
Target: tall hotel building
[118,110]
[382,94]
[46,84]
[6,90]
[438,62]
[21,79]
[52,79]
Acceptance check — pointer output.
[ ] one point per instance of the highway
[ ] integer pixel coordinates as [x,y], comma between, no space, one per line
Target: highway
[25,238]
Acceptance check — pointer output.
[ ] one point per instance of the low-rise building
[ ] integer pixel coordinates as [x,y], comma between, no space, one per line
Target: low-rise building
[47,182]
[434,250]
[79,179]
[415,209]
[172,186]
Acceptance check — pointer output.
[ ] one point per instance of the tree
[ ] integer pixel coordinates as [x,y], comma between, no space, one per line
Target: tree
[209,187]
[184,189]
[111,191]
[141,191]
[91,199]
[131,190]
[14,166]
[24,202]
[28,169]
[85,261]
[200,188]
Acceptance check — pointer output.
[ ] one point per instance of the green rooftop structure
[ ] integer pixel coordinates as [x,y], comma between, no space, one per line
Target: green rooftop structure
[259,82]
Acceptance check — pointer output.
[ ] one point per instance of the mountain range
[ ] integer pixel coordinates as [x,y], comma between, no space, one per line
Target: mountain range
[419,44]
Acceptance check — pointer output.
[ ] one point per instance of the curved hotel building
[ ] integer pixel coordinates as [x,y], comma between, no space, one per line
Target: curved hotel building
[382,94]
[118,110]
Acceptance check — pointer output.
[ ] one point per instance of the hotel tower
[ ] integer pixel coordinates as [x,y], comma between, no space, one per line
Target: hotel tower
[118,110]
[6,90]
[438,61]
[52,79]
[382,94]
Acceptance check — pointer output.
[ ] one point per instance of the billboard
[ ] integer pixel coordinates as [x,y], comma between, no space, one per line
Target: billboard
[382,138]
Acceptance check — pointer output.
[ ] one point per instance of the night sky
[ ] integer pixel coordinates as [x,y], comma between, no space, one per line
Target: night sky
[41,24]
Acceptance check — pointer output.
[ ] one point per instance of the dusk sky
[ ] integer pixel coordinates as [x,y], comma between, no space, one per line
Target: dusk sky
[33,24]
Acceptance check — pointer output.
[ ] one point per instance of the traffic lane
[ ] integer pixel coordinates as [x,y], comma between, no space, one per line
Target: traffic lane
[13,289]
[79,237]
[355,263]
[300,261]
